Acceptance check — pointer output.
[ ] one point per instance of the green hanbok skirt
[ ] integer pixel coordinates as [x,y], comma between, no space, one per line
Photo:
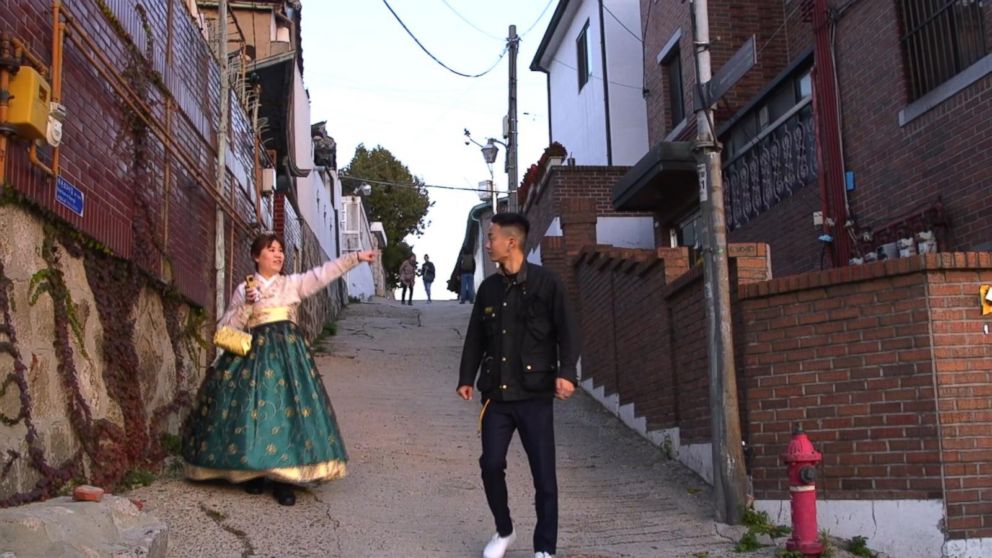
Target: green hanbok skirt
[266,414]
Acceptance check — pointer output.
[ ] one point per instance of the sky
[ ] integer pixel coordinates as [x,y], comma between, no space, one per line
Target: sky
[373,85]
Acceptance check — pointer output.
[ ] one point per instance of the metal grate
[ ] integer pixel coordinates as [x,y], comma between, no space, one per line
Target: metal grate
[940,39]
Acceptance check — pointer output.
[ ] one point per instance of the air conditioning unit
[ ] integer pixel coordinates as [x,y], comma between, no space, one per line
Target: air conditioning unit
[268,181]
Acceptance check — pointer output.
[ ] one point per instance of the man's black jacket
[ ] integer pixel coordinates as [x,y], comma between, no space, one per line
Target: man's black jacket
[521,334]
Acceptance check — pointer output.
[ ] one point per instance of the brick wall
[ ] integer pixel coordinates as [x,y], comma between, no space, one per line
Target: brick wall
[644,330]
[732,22]
[887,367]
[546,201]
[900,170]
[945,153]
[146,202]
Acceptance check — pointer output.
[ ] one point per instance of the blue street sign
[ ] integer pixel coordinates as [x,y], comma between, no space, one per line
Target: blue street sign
[69,196]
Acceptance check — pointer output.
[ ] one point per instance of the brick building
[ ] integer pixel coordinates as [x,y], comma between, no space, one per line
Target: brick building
[872,114]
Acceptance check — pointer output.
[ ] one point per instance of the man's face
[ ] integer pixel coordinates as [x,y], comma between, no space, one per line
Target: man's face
[500,244]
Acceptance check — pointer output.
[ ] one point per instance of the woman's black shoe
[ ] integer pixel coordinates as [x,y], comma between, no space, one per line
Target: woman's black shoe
[283,494]
[254,486]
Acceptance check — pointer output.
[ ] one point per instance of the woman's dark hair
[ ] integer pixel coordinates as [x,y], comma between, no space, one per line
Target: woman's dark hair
[262,242]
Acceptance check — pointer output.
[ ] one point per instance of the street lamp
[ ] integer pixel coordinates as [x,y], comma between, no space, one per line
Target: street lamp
[489,152]
[363,190]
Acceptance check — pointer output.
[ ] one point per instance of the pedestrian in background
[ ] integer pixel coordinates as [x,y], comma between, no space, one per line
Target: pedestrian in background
[522,334]
[267,415]
[428,273]
[408,274]
[466,266]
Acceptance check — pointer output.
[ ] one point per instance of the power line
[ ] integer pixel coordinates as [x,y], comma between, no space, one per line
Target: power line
[617,83]
[435,58]
[532,25]
[472,25]
[632,34]
[414,185]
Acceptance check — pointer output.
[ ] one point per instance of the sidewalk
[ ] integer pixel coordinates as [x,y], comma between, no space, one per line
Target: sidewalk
[413,488]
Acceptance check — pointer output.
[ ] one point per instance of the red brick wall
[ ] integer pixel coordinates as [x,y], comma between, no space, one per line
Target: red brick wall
[732,22]
[855,355]
[546,201]
[944,153]
[789,232]
[644,330]
[963,361]
[129,205]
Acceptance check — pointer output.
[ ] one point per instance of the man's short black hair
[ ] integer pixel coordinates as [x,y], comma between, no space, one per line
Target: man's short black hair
[512,220]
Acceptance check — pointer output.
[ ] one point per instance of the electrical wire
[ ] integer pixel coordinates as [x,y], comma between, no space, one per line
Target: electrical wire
[470,24]
[414,185]
[536,21]
[435,58]
[632,34]
[617,83]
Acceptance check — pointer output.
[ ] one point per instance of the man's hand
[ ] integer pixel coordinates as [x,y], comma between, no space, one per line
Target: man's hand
[564,388]
[465,392]
[367,256]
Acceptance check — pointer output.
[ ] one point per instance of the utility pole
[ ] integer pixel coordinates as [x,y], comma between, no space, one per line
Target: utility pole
[513,43]
[729,478]
[220,263]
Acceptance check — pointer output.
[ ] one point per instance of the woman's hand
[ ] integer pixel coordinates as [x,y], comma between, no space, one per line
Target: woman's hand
[368,256]
[252,295]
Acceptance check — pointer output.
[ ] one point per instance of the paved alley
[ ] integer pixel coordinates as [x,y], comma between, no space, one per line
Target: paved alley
[413,488]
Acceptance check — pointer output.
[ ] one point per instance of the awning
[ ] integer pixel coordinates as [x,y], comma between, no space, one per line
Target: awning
[664,178]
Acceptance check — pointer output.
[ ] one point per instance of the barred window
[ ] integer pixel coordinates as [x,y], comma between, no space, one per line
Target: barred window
[940,39]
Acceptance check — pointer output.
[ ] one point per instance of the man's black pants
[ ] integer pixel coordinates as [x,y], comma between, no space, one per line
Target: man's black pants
[534,419]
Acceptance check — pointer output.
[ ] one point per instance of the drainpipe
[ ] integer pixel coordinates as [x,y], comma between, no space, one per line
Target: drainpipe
[219,242]
[831,174]
[6,60]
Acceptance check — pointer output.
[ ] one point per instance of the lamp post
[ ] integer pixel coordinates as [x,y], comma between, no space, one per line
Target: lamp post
[363,190]
[489,153]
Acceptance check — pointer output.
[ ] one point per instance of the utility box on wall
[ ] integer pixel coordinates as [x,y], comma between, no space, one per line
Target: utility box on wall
[30,95]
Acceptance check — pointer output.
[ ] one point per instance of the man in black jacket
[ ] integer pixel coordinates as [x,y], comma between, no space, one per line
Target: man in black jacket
[522,335]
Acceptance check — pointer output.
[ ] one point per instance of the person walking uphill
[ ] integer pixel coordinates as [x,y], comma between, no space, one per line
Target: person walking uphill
[522,335]
[428,272]
[408,274]
[267,415]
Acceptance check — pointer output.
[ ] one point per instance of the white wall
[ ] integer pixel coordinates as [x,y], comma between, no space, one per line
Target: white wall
[360,283]
[578,118]
[317,210]
[624,66]
[899,528]
[626,232]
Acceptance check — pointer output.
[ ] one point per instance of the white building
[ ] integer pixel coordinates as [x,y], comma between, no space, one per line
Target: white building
[358,234]
[592,55]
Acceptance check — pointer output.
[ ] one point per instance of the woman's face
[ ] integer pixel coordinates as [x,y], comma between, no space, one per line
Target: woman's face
[270,259]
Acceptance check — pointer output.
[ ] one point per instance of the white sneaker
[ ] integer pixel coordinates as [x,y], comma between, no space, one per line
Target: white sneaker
[544,555]
[497,545]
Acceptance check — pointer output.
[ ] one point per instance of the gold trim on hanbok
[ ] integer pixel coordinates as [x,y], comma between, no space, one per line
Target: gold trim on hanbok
[303,474]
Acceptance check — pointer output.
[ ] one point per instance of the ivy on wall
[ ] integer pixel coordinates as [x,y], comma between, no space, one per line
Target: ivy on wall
[111,450]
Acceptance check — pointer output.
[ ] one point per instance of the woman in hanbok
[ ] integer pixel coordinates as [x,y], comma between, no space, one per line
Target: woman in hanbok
[267,415]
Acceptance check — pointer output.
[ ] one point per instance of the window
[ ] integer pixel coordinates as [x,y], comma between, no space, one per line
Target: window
[672,75]
[689,230]
[582,52]
[940,39]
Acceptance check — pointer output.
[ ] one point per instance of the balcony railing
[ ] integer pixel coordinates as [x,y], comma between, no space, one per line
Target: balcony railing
[768,169]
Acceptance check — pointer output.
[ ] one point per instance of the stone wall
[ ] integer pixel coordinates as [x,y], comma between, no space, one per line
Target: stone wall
[77,400]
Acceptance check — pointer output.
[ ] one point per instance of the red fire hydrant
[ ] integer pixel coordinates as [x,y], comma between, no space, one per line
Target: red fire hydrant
[802,459]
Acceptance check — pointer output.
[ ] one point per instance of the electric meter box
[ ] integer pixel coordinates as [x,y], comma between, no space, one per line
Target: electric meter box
[28,110]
